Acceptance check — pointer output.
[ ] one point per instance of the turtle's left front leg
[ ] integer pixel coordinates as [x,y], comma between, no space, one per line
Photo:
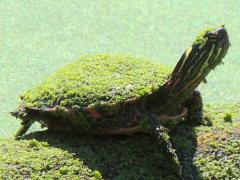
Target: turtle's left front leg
[161,136]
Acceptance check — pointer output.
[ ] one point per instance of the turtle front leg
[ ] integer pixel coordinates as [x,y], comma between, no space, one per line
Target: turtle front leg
[195,108]
[162,138]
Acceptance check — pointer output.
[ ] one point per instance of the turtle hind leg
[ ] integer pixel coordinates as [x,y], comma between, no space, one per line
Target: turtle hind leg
[25,125]
[162,138]
[195,109]
[26,122]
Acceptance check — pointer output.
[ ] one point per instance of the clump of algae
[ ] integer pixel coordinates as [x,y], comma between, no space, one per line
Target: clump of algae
[200,39]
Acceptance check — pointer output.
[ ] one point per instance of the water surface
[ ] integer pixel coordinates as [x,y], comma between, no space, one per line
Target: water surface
[38,37]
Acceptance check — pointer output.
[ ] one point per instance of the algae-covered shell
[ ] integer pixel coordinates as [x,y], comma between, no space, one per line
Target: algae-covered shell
[97,79]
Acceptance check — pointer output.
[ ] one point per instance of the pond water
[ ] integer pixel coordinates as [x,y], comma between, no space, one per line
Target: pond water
[36,38]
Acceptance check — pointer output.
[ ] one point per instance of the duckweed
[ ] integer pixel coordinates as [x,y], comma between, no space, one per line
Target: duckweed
[34,160]
[220,160]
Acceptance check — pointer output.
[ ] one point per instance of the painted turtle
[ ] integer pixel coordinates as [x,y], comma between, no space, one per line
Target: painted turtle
[120,94]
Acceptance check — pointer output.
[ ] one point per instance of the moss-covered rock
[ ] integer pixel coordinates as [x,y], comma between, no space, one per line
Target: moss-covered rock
[98,79]
[205,152]
[37,160]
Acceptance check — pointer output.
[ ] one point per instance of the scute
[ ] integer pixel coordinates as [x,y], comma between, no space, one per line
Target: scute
[97,79]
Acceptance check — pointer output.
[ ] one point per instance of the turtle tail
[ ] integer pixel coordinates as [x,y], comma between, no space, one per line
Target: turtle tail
[26,122]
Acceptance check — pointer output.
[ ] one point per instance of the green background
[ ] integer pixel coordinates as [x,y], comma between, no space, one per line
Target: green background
[38,37]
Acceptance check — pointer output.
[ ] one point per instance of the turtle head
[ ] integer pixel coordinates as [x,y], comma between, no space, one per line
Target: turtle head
[207,51]
[214,43]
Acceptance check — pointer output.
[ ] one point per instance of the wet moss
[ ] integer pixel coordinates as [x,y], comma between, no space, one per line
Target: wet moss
[98,79]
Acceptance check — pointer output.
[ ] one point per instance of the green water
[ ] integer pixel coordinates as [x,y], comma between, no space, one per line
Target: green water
[38,37]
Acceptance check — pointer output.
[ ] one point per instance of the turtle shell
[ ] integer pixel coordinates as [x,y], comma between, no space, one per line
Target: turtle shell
[95,80]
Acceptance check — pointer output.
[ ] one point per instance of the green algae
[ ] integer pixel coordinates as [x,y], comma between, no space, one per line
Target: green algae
[218,151]
[220,159]
[227,117]
[98,79]
[200,39]
[37,160]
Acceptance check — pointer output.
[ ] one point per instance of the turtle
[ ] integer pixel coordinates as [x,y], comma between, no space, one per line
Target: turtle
[116,94]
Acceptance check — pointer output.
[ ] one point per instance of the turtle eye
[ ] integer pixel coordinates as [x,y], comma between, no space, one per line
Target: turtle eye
[212,36]
[218,36]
